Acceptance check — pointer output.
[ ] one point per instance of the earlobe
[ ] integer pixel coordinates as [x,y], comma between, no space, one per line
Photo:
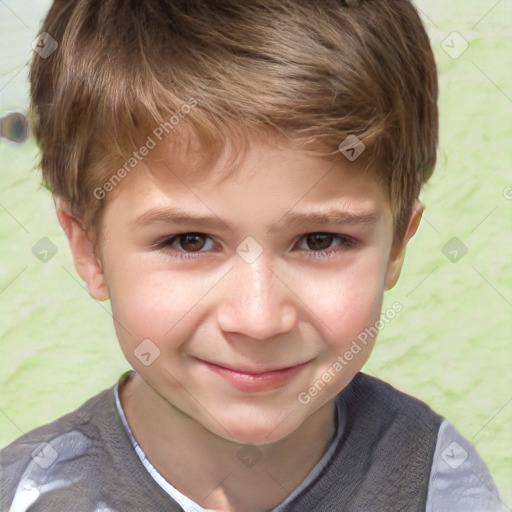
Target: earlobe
[86,262]
[397,258]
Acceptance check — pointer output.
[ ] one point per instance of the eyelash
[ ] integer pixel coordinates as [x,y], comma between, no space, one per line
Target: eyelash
[347,242]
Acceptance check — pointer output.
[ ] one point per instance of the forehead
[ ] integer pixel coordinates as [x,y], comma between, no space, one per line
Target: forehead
[263,163]
[265,181]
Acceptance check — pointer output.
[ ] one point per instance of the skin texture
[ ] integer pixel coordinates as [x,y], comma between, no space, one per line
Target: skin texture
[284,308]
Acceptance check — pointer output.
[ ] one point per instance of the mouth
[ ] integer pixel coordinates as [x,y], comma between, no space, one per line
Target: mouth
[255,378]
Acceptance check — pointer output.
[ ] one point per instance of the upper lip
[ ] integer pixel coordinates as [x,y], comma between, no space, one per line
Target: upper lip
[255,370]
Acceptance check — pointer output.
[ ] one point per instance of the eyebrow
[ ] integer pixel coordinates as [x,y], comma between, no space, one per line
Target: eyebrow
[325,217]
[173,215]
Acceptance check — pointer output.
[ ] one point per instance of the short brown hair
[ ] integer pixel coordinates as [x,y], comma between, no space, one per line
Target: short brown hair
[315,71]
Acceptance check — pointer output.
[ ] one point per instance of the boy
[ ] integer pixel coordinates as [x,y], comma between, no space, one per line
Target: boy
[257,131]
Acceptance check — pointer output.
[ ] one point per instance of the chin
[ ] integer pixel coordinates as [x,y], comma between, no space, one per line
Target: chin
[256,431]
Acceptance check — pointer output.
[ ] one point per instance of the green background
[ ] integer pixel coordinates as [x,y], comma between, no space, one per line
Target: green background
[451,344]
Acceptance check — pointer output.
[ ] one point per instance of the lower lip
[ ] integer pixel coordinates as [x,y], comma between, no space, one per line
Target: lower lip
[256,381]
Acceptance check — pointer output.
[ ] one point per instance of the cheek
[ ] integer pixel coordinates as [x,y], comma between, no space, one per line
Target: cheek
[345,302]
[155,304]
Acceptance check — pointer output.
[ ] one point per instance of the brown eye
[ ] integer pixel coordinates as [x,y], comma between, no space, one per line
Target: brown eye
[324,246]
[185,245]
[319,241]
[191,242]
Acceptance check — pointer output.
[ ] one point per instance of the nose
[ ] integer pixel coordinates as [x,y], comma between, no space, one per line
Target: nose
[255,302]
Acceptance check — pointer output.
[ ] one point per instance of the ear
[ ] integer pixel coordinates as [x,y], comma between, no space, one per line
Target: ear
[396,259]
[87,264]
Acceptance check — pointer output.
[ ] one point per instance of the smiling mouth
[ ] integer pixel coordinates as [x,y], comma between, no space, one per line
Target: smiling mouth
[256,371]
[256,379]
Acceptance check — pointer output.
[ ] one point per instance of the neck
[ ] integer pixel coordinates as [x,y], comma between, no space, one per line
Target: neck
[217,473]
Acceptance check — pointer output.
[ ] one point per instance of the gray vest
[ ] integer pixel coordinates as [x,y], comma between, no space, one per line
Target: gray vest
[384,458]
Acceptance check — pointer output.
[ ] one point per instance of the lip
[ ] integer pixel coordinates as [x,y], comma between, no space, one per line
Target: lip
[256,379]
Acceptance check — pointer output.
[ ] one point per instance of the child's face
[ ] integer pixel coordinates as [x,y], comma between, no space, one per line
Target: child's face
[230,306]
